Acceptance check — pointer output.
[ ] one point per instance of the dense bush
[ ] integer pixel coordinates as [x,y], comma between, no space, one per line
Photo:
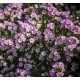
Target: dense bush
[39,40]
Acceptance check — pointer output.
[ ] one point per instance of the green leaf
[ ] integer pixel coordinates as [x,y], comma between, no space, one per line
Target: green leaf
[58,69]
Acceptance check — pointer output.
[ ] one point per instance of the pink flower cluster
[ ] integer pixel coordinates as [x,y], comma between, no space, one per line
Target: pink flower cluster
[38,40]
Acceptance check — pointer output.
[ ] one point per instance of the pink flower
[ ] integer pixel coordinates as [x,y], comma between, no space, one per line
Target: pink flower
[59,74]
[59,65]
[23,73]
[6,42]
[58,18]
[9,27]
[51,25]
[17,46]
[33,14]
[72,42]
[23,38]
[20,40]
[32,40]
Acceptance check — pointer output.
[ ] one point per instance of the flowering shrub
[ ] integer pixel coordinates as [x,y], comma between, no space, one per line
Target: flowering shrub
[39,40]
